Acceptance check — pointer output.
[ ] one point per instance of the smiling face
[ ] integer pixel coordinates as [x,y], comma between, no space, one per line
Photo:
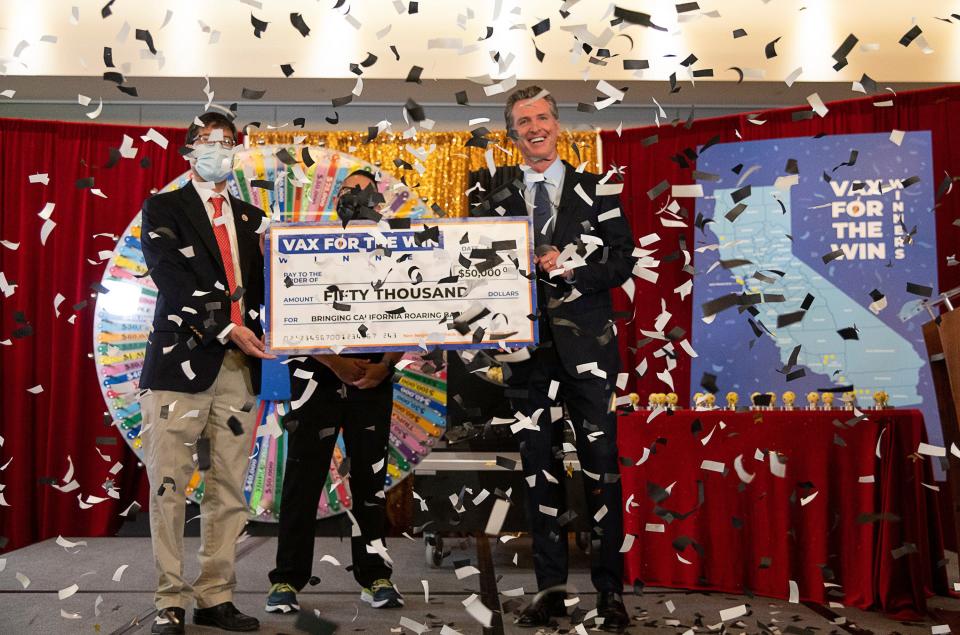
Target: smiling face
[537,131]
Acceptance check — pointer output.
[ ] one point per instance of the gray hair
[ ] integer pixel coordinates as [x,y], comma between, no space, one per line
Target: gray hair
[526,93]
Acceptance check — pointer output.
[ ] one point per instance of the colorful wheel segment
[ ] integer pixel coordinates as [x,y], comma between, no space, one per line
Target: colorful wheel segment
[291,183]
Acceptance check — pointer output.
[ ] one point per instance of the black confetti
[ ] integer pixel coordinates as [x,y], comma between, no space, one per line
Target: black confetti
[840,55]
[635,17]
[541,27]
[413,76]
[297,21]
[849,333]
[250,93]
[770,50]
[144,36]
[919,289]
[259,26]
[203,454]
[833,255]
[911,35]
[235,426]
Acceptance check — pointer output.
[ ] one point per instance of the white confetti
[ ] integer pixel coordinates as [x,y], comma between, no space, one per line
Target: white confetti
[713,466]
[479,611]
[498,514]
[48,226]
[777,467]
[93,114]
[63,594]
[66,544]
[119,572]
[733,613]
[156,137]
[416,627]
[817,104]
[931,450]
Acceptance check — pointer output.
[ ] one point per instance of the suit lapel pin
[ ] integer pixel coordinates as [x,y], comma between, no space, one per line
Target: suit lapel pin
[243,217]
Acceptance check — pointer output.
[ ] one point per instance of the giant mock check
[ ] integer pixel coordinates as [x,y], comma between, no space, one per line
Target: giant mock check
[448,283]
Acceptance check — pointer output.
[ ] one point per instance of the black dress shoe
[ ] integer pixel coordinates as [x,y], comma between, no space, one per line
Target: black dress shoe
[610,607]
[539,613]
[225,616]
[169,621]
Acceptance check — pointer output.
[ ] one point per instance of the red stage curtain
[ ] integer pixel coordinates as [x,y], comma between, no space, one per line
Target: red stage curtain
[67,419]
[646,165]
[816,525]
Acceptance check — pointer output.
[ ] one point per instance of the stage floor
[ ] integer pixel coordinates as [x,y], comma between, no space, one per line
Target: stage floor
[127,605]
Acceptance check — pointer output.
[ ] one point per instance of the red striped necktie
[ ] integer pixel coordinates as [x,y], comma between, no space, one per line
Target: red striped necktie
[223,241]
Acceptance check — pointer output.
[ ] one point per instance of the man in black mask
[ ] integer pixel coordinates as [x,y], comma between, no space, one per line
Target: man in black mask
[353,394]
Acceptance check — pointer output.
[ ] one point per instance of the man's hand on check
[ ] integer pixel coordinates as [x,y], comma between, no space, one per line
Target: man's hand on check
[347,370]
[548,262]
[247,341]
[375,373]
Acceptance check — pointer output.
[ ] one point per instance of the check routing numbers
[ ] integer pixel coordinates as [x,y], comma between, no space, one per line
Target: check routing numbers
[454,283]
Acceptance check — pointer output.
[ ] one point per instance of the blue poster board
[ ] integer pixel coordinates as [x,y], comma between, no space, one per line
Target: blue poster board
[826,227]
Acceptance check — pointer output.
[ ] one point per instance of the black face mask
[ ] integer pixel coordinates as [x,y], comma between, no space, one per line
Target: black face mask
[359,204]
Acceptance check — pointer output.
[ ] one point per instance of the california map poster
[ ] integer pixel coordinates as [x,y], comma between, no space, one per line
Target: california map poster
[837,233]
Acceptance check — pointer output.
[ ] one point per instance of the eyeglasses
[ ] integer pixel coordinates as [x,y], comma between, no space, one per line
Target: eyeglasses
[204,140]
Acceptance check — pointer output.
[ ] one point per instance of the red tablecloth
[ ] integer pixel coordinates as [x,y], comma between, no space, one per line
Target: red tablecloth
[757,537]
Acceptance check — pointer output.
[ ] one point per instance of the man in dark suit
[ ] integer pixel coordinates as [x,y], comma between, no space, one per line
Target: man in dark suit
[584,248]
[201,374]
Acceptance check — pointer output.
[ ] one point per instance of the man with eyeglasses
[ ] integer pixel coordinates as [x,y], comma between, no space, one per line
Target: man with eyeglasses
[201,375]
[352,394]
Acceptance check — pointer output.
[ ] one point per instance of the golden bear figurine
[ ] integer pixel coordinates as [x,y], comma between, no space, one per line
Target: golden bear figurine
[827,400]
[732,399]
[789,398]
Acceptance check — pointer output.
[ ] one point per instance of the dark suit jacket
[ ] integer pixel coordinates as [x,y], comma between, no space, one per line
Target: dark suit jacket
[173,221]
[582,328]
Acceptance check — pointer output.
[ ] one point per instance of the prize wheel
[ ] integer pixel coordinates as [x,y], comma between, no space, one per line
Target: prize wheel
[291,183]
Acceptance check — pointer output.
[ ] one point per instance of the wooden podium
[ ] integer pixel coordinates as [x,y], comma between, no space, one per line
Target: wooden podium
[942,338]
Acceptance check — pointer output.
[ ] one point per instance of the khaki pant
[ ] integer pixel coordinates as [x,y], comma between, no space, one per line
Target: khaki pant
[169,446]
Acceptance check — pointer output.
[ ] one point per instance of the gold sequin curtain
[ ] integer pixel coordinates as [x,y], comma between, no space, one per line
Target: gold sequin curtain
[448,163]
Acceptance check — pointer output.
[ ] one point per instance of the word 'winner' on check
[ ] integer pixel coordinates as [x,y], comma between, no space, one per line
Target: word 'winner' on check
[447,283]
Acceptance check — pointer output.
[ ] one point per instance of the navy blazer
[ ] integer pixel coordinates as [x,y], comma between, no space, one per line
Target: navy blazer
[582,326]
[172,223]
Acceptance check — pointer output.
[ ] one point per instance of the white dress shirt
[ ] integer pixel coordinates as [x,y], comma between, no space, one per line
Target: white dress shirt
[553,178]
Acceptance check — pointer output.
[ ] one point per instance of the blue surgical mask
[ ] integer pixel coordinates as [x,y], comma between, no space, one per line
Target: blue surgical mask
[212,162]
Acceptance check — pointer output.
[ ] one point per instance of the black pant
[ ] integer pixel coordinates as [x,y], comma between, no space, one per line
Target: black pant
[587,399]
[366,426]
